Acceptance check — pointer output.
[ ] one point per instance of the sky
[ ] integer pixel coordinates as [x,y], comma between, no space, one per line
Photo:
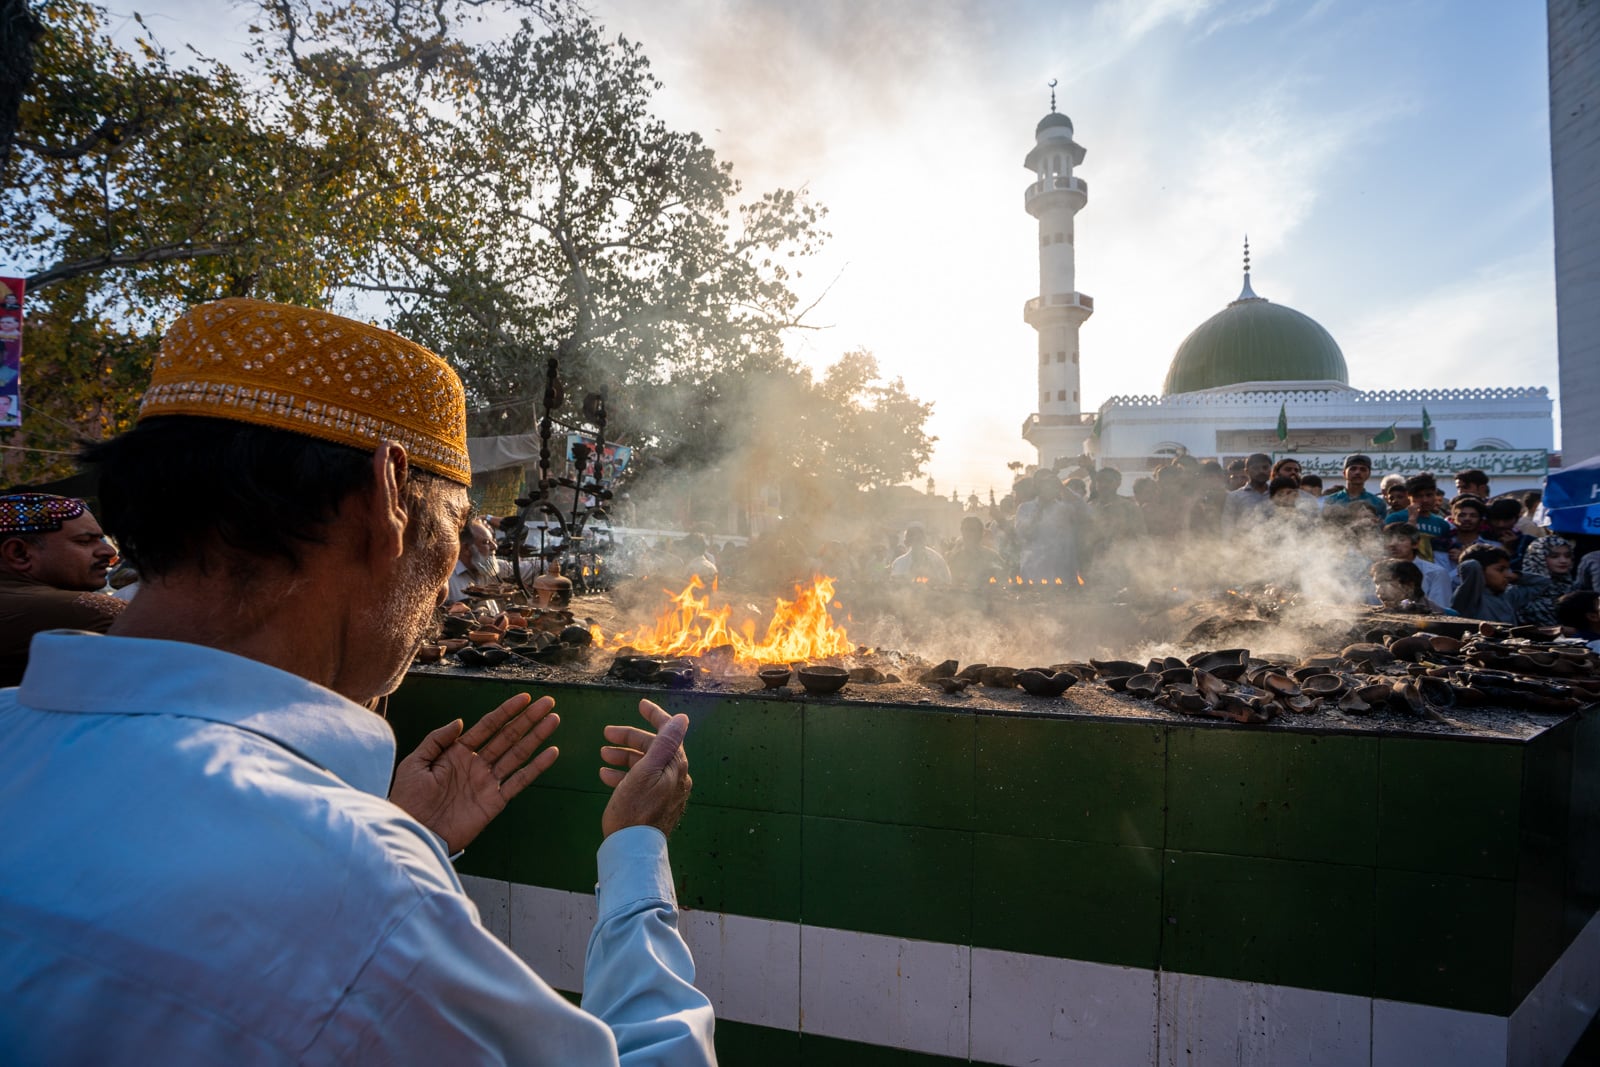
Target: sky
[1389,161]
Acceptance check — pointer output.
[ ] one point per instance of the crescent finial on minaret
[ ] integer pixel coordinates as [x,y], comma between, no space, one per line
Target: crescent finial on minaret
[1052,96]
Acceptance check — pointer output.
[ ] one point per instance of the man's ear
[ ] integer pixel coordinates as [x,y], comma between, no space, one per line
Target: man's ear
[391,470]
[16,554]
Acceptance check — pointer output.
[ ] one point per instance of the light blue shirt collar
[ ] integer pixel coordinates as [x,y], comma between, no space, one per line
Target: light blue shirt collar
[72,671]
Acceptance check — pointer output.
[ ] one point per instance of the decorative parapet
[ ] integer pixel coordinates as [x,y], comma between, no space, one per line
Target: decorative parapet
[1327,397]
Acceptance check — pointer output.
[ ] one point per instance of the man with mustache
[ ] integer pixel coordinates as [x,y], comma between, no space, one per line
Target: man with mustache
[53,562]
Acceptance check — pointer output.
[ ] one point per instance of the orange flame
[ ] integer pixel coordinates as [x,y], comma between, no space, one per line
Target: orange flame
[1080,579]
[800,629]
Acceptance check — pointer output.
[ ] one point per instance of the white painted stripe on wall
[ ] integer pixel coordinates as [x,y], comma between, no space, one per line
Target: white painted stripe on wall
[1410,1035]
[1207,1020]
[885,990]
[1019,1009]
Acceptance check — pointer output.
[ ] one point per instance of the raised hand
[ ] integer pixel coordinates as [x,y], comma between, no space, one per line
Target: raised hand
[455,783]
[649,772]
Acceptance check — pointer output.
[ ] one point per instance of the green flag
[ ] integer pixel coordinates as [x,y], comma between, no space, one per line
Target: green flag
[1384,437]
[1283,422]
[1097,417]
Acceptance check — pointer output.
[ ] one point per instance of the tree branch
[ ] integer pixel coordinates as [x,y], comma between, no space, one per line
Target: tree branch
[63,271]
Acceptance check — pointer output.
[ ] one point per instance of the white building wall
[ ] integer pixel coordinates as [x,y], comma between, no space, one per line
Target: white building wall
[1136,429]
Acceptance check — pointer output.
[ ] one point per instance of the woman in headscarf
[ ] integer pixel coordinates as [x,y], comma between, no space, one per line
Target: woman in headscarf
[1548,557]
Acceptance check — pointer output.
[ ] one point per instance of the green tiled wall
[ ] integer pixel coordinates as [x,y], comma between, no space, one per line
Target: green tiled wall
[1443,871]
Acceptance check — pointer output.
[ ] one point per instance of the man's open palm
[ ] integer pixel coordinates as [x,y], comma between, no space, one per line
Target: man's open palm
[455,782]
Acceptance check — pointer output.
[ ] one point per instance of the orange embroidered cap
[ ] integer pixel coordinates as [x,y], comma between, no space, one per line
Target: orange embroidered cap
[314,373]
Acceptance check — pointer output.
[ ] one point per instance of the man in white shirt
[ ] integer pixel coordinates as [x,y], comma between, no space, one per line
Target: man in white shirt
[475,562]
[920,563]
[200,862]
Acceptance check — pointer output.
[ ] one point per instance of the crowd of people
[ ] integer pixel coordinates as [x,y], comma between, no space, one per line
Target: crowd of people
[1402,543]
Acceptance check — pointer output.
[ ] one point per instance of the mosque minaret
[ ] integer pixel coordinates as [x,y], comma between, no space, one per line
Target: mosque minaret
[1054,198]
[1257,376]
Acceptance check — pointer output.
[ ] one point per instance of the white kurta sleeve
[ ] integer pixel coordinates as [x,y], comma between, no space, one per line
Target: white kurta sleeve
[638,974]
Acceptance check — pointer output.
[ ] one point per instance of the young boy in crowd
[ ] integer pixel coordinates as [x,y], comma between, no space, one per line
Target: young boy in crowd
[1398,586]
[1357,468]
[1579,616]
[1393,491]
[1466,513]
[1472,483]
[1400,543]
[1500,526]
[1423,513]
[1486,589]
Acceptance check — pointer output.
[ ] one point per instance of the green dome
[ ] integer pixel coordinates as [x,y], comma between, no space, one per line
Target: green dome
[1255,340]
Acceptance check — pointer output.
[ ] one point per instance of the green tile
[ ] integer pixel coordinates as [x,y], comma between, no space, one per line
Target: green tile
[745,753]
[1449,806]
[548,837]
[1074,900]
[1284,922]
[745,1043]
[585,713]
[904,881]
[1279,795]
[1541,934]
[889,765]
[1445,940]
[739,861]
[1071,780]
[1583,825]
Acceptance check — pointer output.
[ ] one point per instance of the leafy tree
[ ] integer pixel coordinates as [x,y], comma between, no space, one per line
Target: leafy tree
[508,201]
[134,186]
[586,225]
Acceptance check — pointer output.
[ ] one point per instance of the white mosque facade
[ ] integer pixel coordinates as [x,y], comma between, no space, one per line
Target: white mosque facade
[1250,370]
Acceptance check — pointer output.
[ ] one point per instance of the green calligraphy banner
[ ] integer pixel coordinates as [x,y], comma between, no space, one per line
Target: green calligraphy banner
[1528,462]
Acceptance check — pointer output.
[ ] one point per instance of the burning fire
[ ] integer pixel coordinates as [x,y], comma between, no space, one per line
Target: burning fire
[801,629]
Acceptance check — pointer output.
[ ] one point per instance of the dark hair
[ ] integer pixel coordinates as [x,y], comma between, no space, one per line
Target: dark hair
[1355,458]
[1255,456]
[1502,508]
[1211,466]
[1423,482]
[1395,529]
[1311,481]
[1398,570]
[1486,555]
[1108,474]
[1469,501]
[1283,482]
[1236,465]
[1572,609]
[1472,477]
[176,488]
[1278,466]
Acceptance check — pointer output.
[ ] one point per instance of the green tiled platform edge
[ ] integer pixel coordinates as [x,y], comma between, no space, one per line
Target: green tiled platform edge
[1441,871]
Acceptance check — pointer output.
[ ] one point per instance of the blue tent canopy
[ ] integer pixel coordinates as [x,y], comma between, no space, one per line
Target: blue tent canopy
[1571,502]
